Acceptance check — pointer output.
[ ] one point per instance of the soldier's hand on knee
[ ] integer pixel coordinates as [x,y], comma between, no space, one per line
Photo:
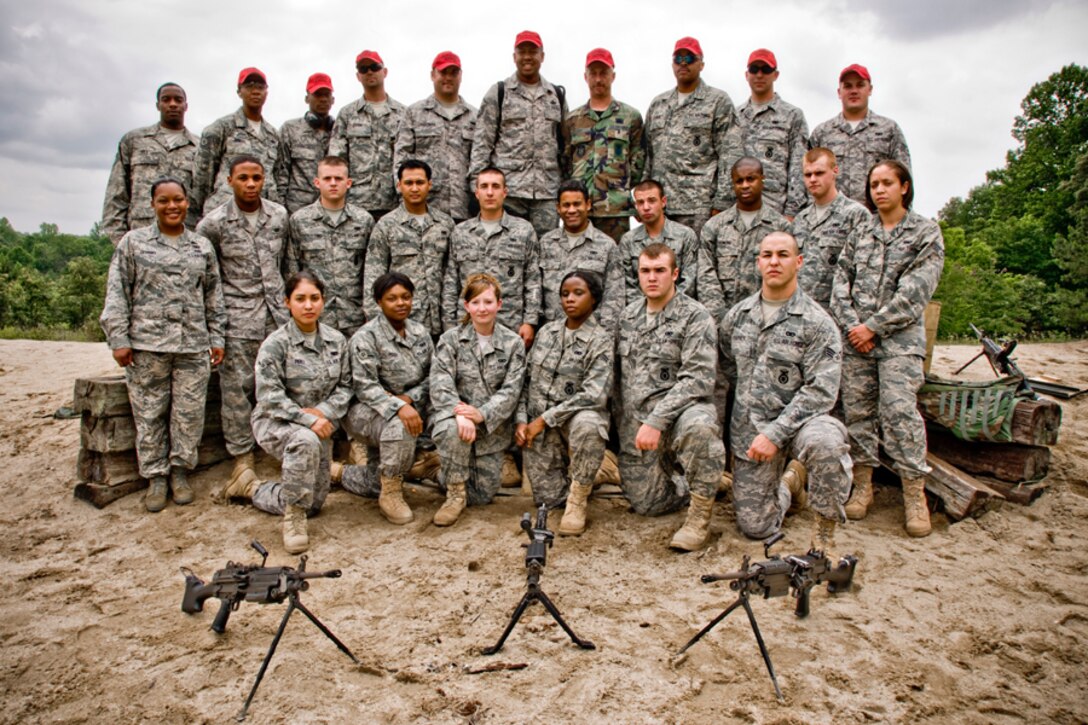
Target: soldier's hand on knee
[533,430]
[217,354]
[647,438]
[323,428]
[410,417]
[466,429]
[468,411]
[123,356]
[762,449]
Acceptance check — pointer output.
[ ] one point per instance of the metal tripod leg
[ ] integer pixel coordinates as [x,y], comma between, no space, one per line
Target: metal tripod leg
[325,630]
[583,643]
[525,599]
[536,594]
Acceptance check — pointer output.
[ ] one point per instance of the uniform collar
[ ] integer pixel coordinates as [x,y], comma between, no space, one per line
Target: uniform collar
[295,335]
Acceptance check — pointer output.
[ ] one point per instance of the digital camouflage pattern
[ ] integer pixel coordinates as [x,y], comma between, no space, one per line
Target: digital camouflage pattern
[777,135]
[605,151]
[821,240]
[732,250]
[301,147]
[363,135]
[876,138]
[220,142]
[593,251]
[445,144]
[167,391]
[681,239]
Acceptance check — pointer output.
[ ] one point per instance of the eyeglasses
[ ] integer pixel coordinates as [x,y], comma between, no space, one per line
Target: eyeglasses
[372,68]
[684,58]
[755,69]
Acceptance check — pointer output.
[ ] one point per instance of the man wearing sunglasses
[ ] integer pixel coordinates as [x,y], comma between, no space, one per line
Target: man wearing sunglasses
[775,132]
[693,140]
[364,134]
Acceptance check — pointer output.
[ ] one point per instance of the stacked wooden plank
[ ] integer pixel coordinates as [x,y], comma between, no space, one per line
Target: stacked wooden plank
[106,468]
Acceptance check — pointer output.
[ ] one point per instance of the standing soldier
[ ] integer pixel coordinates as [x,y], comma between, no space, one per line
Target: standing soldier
[249,235]
[243,132]
[439,131]
[363,135]
[519,132]
[602,141]
[329,238]
[413,240]
[775,132]
[166,148]
[303,142]
[693,139]
[857,136]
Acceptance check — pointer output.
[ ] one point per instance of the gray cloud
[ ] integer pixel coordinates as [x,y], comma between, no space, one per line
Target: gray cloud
[920,19]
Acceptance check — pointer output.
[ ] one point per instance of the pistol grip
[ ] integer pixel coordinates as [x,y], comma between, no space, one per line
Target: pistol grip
[802,602]
[220,624]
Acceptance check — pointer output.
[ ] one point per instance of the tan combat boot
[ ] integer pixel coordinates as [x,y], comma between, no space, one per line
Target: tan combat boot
[573,522]
[295,538]
[244,485]
[510,476]
[358,453]
[336,471]
[609,472]
[391,501]
[915,507]
[823,534]
[726,483]
[426,467]
[452,508]
[862,496]
[242,463]
[179,486]
[692,535]
[155,500]
[795,476]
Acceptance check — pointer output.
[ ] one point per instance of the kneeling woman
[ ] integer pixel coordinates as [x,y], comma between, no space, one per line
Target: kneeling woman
[476,379]
[390,366]
[563,405]
[303,388]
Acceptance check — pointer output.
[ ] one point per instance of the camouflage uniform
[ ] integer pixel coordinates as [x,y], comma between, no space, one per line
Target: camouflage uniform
[884,280]
[666,379]
[525,148]
[691,148]
[383,365]
[733,249]
[251,264]
[876,138]
[569,381]
[224,139]
[785,372]
[490,380]
[777,135]
[821,241]
[363,135]
[445,144]
[510,255]
[605,151]
[698,284]
[594,252]
[144,155]
[165,302]
[301,147]
[335,253]
[416,247]
[293,374]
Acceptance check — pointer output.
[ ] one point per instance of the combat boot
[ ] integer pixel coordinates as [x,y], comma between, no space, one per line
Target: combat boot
[391,501]
[336,471]
[179,486]
[795,477]
[358,453]
[510,476]
[242,463]
[155,500]
[726,483]
[295,538]
[862,495]
[452,508]
[692,535]
[609,472]
[244,485]
[573,522]
[823,534]
[915,507]
[426,467]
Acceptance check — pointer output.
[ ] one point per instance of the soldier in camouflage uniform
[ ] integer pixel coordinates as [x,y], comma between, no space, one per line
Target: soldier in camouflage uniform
[363,135]
[603,148]
[249,235]
[579,245]
[439,130]
[521,136]
[822,227]
[166,148]
[692,140]
[782,355]
[163,313]
[412,239]
[775,132]
[303,142]
[243,132]
[562,417]
[670,442]
[857,136]
[499,244]
[329,237]
[390,367]
[476,379]
[884,280]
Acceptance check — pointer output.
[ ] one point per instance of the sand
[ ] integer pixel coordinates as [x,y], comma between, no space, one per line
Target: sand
[984,621]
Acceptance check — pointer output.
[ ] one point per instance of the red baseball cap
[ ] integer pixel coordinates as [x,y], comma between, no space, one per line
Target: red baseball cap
[689,44]
[446,59]
[763,55]
[371,55]
[600,55]
[247,72]
[318,81]
[528,36]
[855,68]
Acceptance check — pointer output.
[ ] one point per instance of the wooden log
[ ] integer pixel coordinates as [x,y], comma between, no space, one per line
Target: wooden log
[101,397]
[931,319]
[103,494]
[1005,461]
[117,467]
[118,433]
[1036,422]
[1020,493]
[961,493]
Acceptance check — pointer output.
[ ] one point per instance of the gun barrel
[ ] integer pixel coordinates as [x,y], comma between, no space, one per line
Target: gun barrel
[331,574]
[709,578]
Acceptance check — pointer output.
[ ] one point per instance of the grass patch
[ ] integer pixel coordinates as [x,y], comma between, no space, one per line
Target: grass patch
[55,334]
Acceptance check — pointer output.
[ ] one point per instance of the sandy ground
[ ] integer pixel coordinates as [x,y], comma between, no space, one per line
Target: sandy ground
[985,621]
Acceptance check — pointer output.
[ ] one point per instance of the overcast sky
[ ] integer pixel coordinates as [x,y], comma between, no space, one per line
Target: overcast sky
[75,76]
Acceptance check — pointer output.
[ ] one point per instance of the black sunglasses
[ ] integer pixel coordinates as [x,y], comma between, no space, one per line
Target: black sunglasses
[373,68]
[684,58]
[764,69]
